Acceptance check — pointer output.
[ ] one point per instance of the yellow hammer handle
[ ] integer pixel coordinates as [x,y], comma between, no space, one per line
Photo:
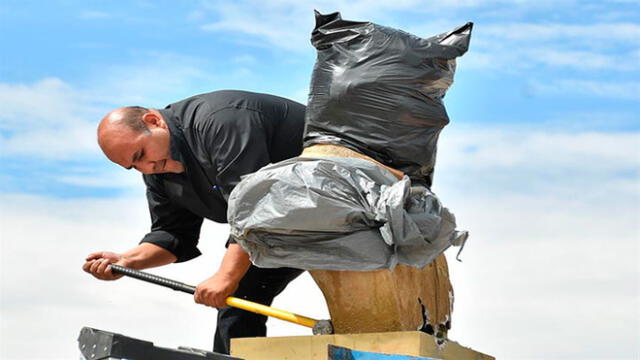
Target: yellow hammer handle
[269,311]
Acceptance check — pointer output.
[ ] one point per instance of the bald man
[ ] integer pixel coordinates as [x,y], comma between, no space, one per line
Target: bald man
[191,155]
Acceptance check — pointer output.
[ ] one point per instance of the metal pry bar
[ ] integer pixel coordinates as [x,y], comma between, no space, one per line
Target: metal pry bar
[320,327]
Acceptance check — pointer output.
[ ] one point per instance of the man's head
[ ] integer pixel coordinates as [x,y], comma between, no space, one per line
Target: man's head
[136,137]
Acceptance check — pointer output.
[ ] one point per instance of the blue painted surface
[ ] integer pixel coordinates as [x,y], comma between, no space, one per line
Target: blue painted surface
[340,353]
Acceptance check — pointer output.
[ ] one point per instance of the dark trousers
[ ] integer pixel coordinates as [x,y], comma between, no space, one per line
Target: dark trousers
[258,285]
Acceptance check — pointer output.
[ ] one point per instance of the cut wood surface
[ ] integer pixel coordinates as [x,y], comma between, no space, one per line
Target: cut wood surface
[328,150]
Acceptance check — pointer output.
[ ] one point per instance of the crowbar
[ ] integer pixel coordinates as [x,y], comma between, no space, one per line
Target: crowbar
[320,327]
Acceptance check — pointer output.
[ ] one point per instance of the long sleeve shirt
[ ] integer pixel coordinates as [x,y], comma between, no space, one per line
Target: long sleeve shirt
[218,137]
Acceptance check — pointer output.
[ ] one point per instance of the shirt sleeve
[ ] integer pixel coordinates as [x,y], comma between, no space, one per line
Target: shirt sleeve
[240,146]
[173,228]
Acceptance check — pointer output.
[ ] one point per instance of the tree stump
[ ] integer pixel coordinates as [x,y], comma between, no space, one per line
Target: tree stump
[405,298]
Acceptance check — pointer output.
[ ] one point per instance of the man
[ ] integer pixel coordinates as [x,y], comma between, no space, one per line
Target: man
[192,154]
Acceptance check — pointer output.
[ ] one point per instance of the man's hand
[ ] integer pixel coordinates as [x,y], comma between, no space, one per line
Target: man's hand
[97,264]
[215,290]
[143,256]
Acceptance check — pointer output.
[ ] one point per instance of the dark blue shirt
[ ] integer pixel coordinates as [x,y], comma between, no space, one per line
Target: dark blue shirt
[218,137]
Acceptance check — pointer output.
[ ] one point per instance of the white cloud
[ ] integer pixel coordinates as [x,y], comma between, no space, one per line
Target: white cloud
[524,160]
[48,102]
[196,15]
[554,220]
[595,120]
[103,178]
[523,46]
[499,44]
[583,60]
[539,262]
[52,143]
[600,89]
[287,24]
[51,122]
[245,59]
[262,24]
[94,14]
[525,147]
[159,78]
[52,119]
[47,119]
[585,34]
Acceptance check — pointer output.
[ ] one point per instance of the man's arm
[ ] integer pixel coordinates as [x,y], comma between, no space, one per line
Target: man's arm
[214,290]
[173,237]
[238,146]
[144,256]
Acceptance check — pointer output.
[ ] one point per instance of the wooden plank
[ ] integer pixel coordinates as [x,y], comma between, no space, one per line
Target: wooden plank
[411,343]
[341,353]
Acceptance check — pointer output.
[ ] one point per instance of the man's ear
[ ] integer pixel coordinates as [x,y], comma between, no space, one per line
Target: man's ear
[153,120]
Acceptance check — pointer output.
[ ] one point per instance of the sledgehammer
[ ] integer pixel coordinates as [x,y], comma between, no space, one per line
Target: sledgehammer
[320,327]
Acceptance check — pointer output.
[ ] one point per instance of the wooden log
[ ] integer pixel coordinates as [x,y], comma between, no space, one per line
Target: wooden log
[405,298]
[402,299]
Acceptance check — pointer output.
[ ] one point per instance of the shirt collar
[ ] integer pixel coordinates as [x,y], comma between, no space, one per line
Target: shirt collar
[176,136]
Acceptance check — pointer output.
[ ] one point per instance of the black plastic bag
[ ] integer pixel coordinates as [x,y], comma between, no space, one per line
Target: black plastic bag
[379,91]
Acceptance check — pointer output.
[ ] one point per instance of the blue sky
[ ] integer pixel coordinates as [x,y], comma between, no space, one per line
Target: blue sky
[563,65]
[540,161]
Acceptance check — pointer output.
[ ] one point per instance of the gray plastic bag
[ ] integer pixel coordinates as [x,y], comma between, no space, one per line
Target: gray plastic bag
[338,214]
[379,91]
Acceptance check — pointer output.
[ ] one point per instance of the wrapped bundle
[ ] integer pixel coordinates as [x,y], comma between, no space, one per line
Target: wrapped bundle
[337,214]
[376,92]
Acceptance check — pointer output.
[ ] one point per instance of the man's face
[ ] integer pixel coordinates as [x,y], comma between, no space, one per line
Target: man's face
[149,152]
[146,151]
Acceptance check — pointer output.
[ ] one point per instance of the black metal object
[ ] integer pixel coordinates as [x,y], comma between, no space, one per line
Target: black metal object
[155,279]
[97,344]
